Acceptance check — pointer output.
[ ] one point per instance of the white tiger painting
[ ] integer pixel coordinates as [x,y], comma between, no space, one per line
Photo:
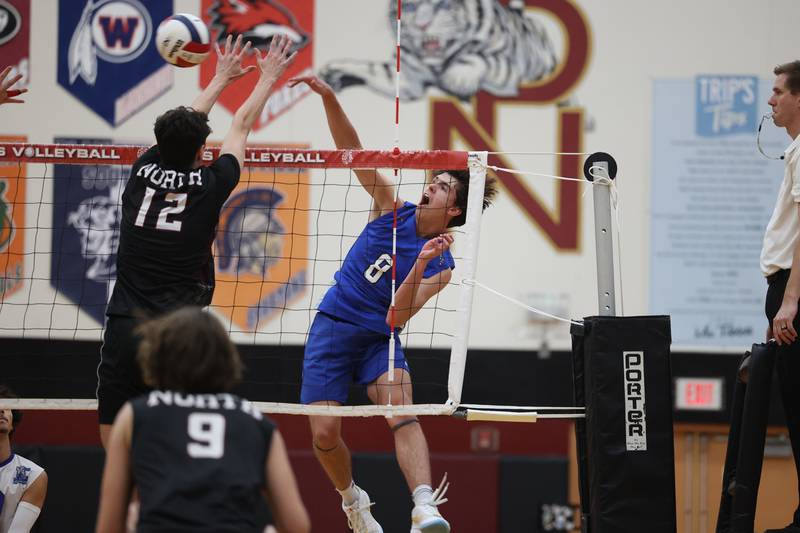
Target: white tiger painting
[458,46]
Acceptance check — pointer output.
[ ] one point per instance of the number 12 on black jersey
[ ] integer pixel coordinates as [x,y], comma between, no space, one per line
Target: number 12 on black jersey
[176,203]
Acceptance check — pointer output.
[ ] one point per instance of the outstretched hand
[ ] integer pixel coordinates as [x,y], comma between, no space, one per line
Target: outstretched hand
[315,83]
[7,96]
[277,59]
[436,246]
[229,60]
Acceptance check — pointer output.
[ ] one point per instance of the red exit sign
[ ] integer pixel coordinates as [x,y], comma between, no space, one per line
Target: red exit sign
[703,394]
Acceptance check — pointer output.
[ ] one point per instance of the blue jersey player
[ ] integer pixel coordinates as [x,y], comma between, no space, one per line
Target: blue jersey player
[349,337]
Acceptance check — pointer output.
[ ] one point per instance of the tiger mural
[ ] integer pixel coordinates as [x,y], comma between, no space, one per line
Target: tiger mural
[458,46]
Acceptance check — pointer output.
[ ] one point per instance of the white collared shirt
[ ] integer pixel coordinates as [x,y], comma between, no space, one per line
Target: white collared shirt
[784,226]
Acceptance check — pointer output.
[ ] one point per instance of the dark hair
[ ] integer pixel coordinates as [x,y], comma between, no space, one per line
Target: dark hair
[462,193]
[16,415]
[188,351]
[180,133]
[792,71]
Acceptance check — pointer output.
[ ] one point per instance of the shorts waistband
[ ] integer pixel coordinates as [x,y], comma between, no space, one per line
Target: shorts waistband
[780,274]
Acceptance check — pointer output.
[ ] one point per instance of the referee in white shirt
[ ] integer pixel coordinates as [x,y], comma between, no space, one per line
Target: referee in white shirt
[780,251]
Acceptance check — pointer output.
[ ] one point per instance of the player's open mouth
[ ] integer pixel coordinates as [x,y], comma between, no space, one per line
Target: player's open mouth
[425,199]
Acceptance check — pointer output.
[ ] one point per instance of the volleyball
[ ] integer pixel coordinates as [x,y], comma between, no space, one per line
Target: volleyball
[183,40]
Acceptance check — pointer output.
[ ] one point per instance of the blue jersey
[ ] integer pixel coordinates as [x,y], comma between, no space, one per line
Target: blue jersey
[362,291]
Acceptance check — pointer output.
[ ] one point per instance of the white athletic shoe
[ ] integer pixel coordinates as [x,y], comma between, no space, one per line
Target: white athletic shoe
[426,518]
[359,517]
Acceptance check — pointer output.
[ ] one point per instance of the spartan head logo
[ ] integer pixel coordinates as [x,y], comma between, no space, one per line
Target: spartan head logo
[97,222]
[250,236]
[258,21]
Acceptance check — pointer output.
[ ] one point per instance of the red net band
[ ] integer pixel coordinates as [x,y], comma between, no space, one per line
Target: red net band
[82,154]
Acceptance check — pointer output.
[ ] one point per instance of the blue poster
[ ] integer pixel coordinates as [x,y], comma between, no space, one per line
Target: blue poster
[712,195]
[86,224]
[107,56]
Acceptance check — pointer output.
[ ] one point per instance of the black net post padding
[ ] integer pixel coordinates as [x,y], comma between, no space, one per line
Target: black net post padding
[732,450]
[579,400]
[752,433]
[629,437]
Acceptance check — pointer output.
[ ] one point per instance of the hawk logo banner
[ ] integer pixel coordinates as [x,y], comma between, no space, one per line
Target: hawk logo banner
[86,223]
[12,224]
[107,57]
[262,247]
[259,21]
[15,39]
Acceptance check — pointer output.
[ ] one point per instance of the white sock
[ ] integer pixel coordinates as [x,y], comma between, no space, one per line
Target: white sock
[422,494]
[350,494]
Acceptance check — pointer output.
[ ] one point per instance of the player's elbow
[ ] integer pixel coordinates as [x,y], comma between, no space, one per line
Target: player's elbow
[396,319]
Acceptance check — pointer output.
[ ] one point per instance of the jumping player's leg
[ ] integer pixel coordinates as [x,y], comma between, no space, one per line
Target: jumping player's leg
[329,448]
[327,371]
[411,447]
[118,375]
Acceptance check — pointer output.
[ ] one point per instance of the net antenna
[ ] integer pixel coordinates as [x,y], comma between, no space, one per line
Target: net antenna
[336,208]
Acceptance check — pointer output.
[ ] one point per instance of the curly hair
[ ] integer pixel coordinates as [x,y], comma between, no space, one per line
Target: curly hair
[462,193]
[180,133]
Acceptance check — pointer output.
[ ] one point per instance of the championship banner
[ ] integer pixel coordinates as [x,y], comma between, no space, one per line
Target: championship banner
[258,21]
[107,56]
[86,224]
[12,225]
[15,33]
[261,248]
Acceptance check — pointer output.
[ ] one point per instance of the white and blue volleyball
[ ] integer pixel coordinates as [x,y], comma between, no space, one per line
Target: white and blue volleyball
[183,40]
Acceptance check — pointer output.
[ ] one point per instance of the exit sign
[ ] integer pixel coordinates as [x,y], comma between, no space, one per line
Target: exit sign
[700,394]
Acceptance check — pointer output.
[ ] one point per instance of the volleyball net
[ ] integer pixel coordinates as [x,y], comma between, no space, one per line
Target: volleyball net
[283,233]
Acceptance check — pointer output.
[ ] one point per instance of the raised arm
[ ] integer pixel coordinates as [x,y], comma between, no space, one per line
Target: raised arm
[416,290]
[345,136]
[271,67]
[229,69]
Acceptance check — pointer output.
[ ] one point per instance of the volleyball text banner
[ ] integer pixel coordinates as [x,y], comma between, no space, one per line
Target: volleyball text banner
[107,56]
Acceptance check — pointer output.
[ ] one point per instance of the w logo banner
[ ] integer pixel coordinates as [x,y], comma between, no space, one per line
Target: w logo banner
[107,58]
[262,247]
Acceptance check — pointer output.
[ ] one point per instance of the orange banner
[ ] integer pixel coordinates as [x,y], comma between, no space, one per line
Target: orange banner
[261,248]
[12,225]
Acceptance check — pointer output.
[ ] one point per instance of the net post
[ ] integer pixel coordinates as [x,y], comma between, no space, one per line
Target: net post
[604,244]
[476,162]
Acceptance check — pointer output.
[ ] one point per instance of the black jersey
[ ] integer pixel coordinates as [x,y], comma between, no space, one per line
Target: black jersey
[169,219]
[198,461]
